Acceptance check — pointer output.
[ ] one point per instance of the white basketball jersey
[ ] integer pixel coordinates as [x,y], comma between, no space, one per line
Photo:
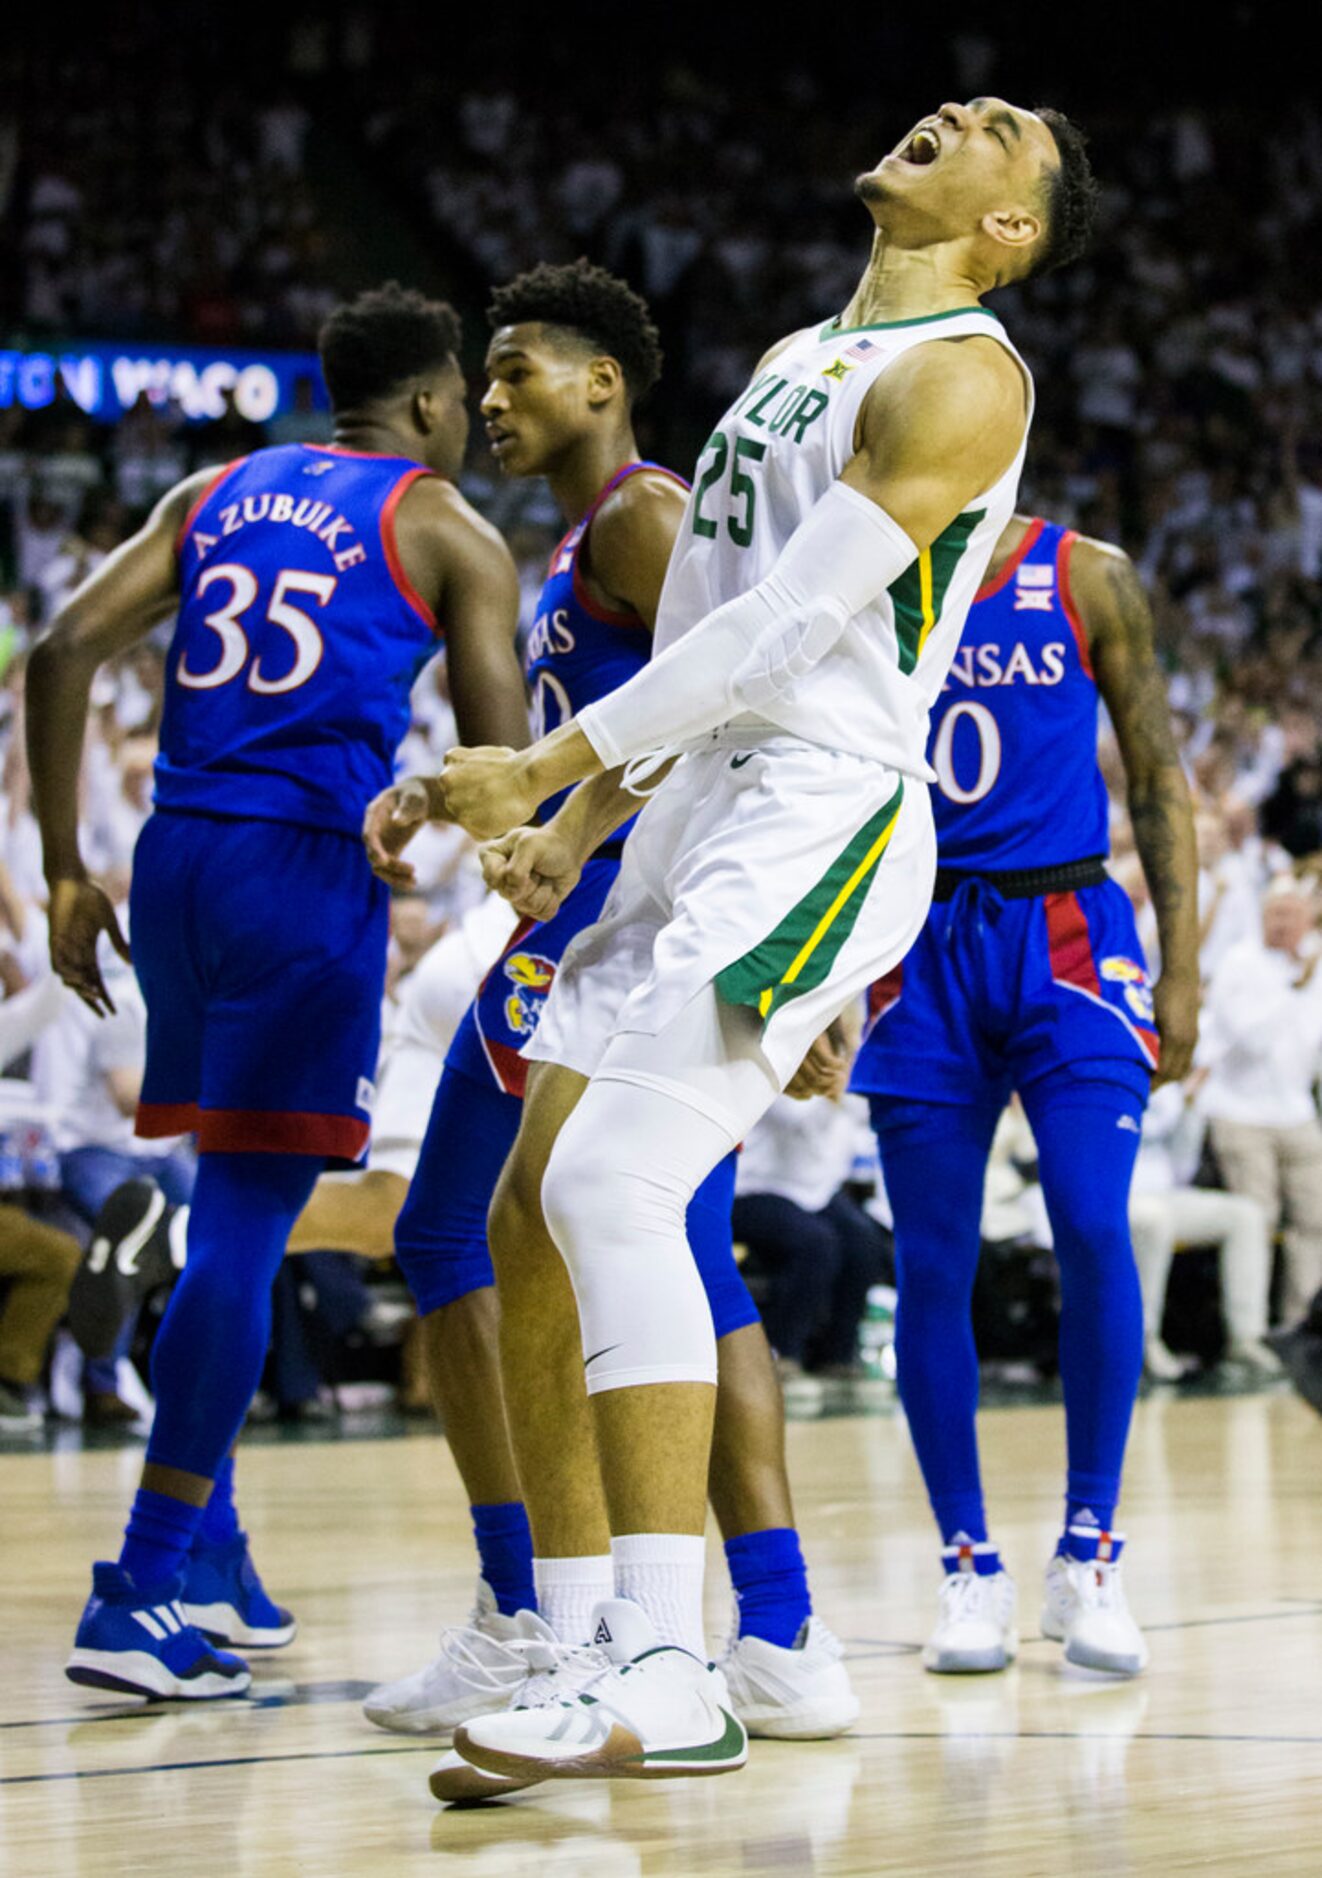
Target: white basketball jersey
[775,453]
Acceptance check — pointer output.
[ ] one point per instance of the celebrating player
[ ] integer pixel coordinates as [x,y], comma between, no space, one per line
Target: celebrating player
[572,351]
[843,514]
[1029,975]
[311,584]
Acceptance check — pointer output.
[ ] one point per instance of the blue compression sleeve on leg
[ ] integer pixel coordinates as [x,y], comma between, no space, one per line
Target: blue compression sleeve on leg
[934,1156]
[504,1546]
[770,1583]
[1087,1133]
[712,1244]
[441,1232]
[209,1352]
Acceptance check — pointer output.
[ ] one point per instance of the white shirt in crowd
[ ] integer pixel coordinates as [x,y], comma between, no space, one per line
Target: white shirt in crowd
[72,1061]
[1262,1039]
[1172,1143]
[801,1151]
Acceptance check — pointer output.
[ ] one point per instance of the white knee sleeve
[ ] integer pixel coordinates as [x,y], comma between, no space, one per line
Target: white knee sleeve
[616,1196]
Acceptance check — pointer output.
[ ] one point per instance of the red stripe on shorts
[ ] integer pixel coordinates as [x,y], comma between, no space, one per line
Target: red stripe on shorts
[1070,943]
[165,1118]
[277,1131]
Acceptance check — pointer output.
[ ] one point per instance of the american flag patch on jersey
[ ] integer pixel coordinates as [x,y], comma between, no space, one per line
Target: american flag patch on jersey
[861,350]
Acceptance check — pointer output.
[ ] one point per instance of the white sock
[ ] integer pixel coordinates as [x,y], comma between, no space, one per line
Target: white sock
[662,1573]
[569,1589]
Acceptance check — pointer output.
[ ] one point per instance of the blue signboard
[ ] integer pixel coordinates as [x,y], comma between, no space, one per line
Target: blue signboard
[106,380]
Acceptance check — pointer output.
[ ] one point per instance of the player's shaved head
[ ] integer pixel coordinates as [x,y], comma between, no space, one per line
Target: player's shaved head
[374,346]
[583,306]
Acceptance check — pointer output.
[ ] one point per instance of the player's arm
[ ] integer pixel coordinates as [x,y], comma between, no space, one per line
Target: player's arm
[134,588]
[461,565]
[1116,616]
[941,426]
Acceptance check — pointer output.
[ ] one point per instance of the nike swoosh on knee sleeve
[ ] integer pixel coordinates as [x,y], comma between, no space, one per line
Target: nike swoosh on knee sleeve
[588,1361]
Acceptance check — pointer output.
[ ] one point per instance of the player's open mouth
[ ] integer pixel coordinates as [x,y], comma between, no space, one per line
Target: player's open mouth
[923,147]
[499,438]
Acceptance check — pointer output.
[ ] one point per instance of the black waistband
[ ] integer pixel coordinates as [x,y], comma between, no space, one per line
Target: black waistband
[1025,883]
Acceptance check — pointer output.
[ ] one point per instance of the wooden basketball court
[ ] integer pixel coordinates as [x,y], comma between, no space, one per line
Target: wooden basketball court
[1212,1761]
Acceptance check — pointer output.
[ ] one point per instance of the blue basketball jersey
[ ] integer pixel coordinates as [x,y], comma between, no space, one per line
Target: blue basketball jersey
[298,640]
[578,650]
[1014,731]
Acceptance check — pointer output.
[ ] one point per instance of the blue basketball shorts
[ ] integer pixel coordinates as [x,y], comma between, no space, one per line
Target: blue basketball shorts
[997,993]
[261,951]
[508,1006]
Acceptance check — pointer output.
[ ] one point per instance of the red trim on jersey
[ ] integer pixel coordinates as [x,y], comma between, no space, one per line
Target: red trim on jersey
[278,1131]
[393,562]
[342,449]
[1063,553]
[205,496]
[594,607]
[1002,575]
[1070,943]
[165,1118]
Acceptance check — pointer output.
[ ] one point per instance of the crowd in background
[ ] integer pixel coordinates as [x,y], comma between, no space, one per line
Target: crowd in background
[1179,375]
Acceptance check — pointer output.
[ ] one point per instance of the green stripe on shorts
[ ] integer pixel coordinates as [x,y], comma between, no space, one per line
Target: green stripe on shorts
[799,954]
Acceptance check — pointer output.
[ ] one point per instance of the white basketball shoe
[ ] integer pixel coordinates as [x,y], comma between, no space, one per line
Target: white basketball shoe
[798,1694]
[976,1630]
[553,1672]
[655,1713]
[474,1671]
[1085,1606]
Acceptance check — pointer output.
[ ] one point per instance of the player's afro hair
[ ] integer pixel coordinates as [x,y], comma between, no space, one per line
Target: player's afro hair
[586,300]
[1072,196]
[372,345]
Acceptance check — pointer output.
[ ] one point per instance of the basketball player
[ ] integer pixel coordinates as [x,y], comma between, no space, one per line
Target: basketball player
[1029,975]
[572,351]
[843,515]
[311,584]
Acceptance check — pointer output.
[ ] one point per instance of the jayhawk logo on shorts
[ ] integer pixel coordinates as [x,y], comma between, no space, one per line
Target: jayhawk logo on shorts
[1134,978]
[532,977]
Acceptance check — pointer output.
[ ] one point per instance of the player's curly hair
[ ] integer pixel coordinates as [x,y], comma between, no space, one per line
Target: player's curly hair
[372,345]
[603,310]
[1072,196]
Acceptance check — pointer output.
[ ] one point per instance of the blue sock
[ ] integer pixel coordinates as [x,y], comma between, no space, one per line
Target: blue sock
[962,1554]
[770,1583]
[504,1545]
[157,1537]
[220,1516]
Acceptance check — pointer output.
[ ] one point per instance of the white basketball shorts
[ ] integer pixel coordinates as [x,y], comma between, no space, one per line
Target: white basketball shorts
[786,875]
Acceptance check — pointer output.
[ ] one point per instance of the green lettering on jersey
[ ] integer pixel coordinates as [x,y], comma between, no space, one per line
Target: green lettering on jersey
[808,410]
[762,403]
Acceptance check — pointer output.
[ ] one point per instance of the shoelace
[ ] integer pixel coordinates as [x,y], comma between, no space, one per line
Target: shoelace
[1099,1586]
[547,1660]
[964,1594]
[459,1650]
